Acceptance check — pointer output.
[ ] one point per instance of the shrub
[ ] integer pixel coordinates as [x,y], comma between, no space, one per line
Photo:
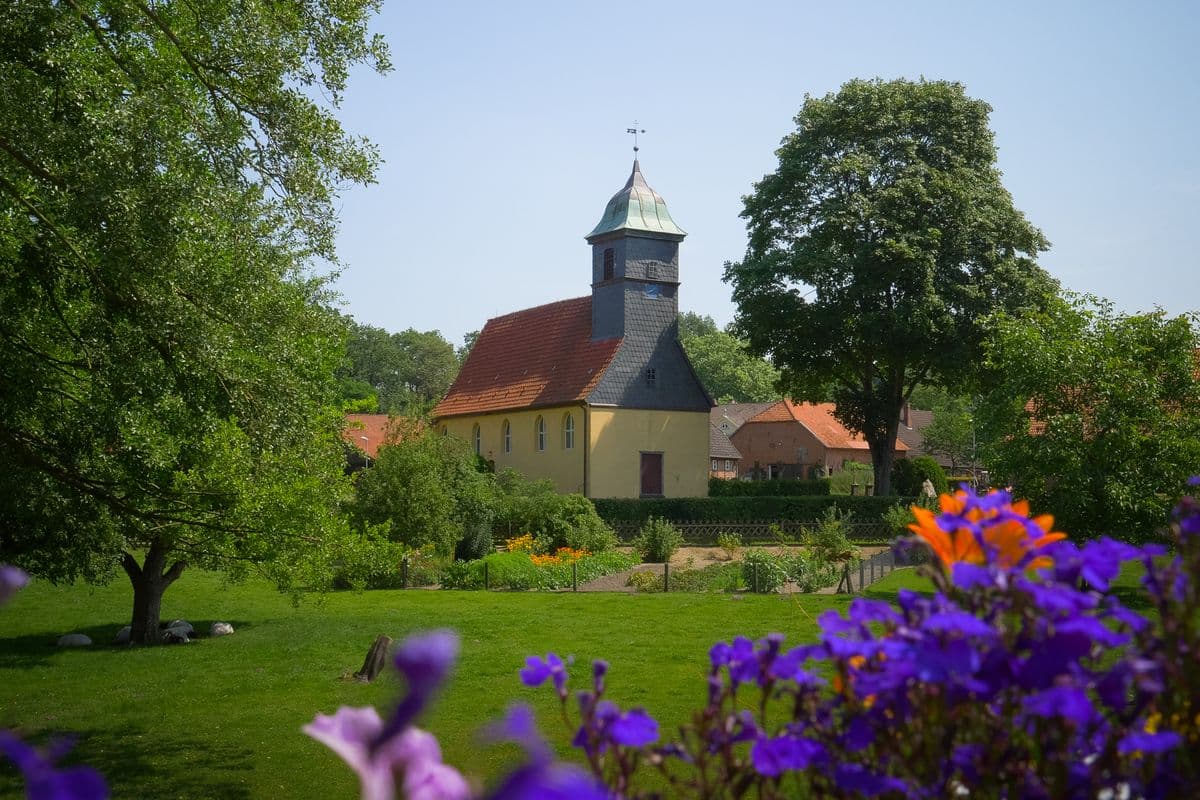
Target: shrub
[476,541]
[764,572]
[778,487]
[909,476]
[811,572]
[712,578]
[827,539]
[518,570]
[851,472]
[554,520]
[731,543]
[736,509]
[658,540]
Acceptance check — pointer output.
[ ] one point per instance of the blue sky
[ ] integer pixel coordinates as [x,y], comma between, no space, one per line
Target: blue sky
[502,131]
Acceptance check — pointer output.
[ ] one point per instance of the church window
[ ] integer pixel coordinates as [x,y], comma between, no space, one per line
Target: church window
[609,260]
[651,376]
[540,431]
[569,432]
[476,439]
[507,436]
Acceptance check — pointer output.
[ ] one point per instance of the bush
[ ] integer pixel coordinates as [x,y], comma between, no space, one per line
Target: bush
[737,509]
[851,472]
[475,543]
[712,578]
[658,540]
[555,520]
[731,543]
[909,476]
[517,570]
[827,540]
[764,572]
[779,487]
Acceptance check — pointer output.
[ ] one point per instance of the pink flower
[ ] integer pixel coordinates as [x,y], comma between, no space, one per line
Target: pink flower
[412,759]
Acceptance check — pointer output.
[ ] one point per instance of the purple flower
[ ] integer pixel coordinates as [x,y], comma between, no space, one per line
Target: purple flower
[540,777]
[537,670]
[634,728]
[856,778]
[413,758]
[42,780]
[1143,742]
[12,580]
[518,726]
[425,660]
[1068,702]
[773,757]
[599,670]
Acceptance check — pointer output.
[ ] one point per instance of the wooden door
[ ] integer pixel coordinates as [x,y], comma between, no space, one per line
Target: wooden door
[652,475]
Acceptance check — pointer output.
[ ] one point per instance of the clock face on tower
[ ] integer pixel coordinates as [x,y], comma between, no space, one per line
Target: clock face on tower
[653,290]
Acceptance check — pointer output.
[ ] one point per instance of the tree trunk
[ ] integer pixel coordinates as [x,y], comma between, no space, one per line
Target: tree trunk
[376,659]
[883,454]
[149,582]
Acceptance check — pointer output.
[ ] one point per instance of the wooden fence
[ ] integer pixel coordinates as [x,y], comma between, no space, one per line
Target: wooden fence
[704,534]
[856,577]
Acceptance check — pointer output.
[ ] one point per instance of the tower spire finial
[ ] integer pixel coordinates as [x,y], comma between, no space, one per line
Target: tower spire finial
[635,131]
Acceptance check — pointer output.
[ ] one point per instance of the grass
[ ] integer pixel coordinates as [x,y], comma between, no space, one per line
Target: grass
[221,717]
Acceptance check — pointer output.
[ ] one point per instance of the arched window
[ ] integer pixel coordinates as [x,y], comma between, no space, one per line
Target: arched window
[539,428]
[476,439]
[569,432]
[507,429]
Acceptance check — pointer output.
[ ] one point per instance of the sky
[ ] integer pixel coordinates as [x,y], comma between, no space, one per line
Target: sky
[502,133]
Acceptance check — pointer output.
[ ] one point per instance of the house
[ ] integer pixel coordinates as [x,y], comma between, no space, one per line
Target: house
[594,393]
[724,457]
[366,432]
[793,440]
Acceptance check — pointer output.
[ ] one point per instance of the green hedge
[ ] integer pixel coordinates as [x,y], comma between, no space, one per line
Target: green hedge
[779,487]
[737,509]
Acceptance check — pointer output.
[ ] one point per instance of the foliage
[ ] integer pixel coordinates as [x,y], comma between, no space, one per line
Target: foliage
[391,566]
[851,472]
[425,490]
[408,372]
[952,431]
[731,543]
[711,578]
[878,248]
[520,544]
[827,540]
[729,372]
[776,487]
[909,476]
[658,540]
[167,189]
[519,571]
[554,520]
[1094,415]
[733,509]
[763,571]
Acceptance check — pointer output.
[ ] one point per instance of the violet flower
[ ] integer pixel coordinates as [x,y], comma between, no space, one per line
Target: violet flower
[43,781]
[12,580]
[540,777]
[425,661]
[537,670]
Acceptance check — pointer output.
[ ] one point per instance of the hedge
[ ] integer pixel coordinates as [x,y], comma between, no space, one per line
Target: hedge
[778,487]
[737,509]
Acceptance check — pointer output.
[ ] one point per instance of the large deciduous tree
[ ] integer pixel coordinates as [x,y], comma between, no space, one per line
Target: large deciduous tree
[729,372]
[877,248]
[1094,415]
[166,349]
[407,371]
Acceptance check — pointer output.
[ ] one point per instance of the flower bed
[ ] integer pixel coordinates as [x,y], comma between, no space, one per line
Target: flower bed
[522,570]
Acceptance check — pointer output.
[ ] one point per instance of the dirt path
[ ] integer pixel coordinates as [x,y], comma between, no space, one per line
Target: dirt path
[690,558]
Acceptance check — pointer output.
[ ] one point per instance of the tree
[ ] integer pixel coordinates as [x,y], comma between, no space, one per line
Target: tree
[469,340]
[730,372]
[408,371]
[877,248]
[1093,415]
[952,432]
[426,490]
[166,350]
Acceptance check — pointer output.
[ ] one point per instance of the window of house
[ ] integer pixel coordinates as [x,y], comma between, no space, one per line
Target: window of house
[540,431]
[715,462]
[651,376]
[569,432]
[507,429]
[729,465]
[609,261]
[477,440]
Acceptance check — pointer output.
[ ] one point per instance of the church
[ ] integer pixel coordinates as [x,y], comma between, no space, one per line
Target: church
[595,393]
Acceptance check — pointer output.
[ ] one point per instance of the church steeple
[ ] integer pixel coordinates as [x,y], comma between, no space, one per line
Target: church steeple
[635,262]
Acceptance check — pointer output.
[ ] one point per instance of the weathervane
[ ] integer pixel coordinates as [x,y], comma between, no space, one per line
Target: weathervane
[635,131]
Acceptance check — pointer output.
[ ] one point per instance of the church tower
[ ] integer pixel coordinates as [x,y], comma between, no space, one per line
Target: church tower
[635,297]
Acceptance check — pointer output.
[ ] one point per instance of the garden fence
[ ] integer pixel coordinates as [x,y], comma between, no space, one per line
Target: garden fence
[704,534]
[855,578]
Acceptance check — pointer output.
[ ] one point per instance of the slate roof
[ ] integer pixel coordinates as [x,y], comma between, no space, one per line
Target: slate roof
[913,434]
[819,420]
[719,445]
[737,413]
[541,356]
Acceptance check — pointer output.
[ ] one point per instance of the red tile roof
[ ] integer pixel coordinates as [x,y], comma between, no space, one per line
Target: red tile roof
[819,419]
[537,357]
[366,432]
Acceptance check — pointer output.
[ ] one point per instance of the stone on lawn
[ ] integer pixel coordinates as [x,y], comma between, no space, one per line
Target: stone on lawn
[220,629]
[181,623]
[74,640]
[123,635]
[175,636]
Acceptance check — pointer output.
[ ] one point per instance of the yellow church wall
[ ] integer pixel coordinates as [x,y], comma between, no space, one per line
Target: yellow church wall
[618,436]
[558,463]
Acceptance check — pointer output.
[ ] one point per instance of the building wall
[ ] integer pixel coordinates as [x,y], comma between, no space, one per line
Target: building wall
[716,468]
[776,443]
[556,462]
[618,437]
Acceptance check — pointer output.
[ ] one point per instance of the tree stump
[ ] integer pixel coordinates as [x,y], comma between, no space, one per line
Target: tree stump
[375,660]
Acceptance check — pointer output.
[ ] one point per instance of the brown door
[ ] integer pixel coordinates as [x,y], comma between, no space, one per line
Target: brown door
[652,474]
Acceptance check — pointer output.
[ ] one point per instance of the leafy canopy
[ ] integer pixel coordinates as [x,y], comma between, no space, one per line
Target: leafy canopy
[730,372]
[877,247]
[1094,415]
[166,352]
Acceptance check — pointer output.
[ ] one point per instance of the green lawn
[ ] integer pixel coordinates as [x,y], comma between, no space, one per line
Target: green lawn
[221,717]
